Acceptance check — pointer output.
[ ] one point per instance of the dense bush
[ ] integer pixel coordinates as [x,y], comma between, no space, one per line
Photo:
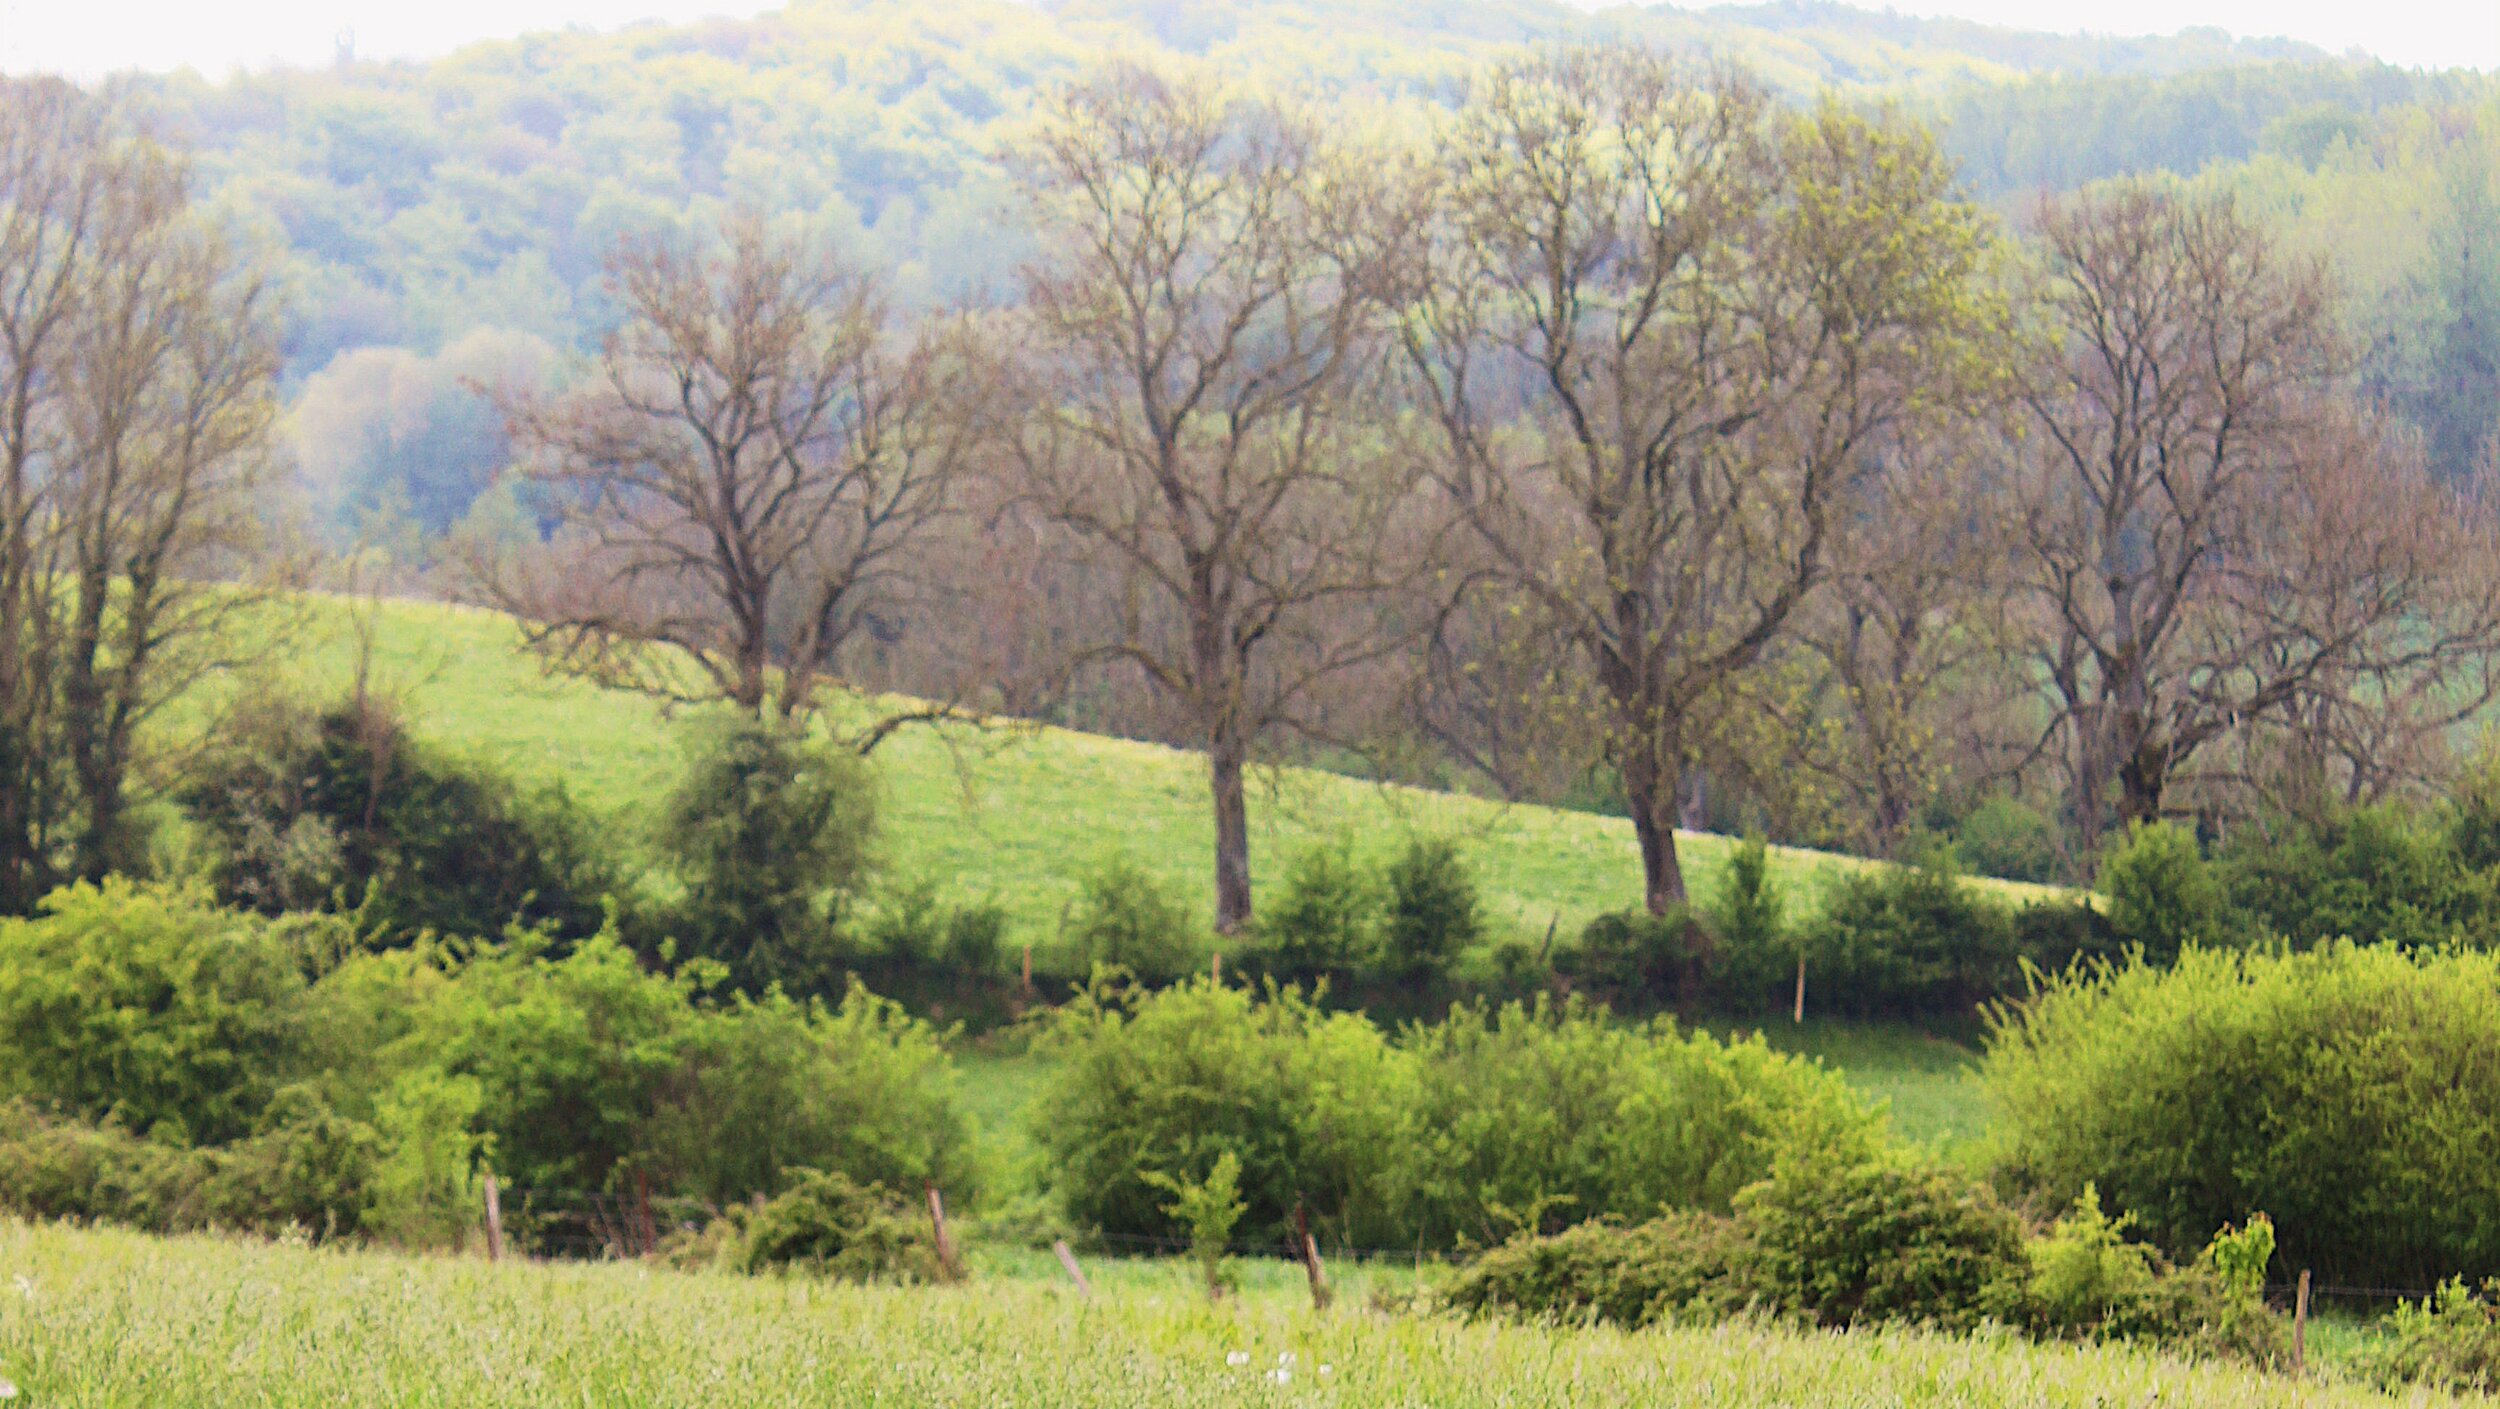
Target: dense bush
[2089,1280]
[148,1005]
[307,809]
[831,1226]
[768,831]
[2161,895]
[2371,874]
[1433,915]
[2450,1340]
[2349,1091]
[1316,1108]
[1635,960]
[1911,939]
[1467,1129]
[1124,918]
[1680,1264]
[1851,1240]
[1535,1117]
[2006,837]
[1749,921]
[1324,921]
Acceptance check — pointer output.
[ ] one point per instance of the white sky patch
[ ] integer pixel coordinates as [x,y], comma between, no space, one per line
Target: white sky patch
[89,38]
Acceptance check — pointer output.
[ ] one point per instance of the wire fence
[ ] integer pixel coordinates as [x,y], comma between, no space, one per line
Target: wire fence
[583,1224]
[589,1224]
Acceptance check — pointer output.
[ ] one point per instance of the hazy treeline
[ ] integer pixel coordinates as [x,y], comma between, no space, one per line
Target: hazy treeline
[423,207]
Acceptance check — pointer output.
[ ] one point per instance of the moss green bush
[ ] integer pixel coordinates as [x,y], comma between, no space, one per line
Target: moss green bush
[149,1005]
[2348,1091]
[1537,1116]
[2450,1340]
[1696,1264]
[826,1225]
[1852,1240]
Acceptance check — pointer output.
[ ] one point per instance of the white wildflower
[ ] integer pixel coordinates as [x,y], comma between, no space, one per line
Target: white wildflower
[7,1390]
[1237,1359]
[1284,1358]
[1280,1376]
[1327,1369]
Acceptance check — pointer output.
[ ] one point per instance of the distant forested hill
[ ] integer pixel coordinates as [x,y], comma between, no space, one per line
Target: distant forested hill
[445,221]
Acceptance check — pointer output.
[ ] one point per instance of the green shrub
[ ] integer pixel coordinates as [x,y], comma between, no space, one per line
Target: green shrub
[1680,1264]
[2086,1276]
[55,1167]
[304,809]
[1634,959]
[1852,1240]
[911,930]
[1433,914]
[148,1005]
[1324,922]
[2053,935]
[1317,1108]
[1749,919]
[571,1055]
[826,1225]
[1536,1117]
[2348,1091]
[2450,1340]
[1125,918]
[2161,895]
[1209,1208]
[309,1168]
[768,831]
[1911,939]
[2007,837]
[425,1185]
[763,1087]
[2372,874]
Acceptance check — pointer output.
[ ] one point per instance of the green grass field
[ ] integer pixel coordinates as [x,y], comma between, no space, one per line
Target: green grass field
[108,1320]
[1015,813]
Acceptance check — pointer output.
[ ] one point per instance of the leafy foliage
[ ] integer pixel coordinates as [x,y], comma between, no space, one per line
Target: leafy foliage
[1853,1241]
[768,830]
[2343,1090]
[148,1005]
[343,806]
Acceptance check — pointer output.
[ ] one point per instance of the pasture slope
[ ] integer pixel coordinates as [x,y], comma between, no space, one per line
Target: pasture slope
[1016,813]
[109,1320]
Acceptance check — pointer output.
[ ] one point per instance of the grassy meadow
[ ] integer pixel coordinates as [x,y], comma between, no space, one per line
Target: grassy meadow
[1015,813]
[109,1320]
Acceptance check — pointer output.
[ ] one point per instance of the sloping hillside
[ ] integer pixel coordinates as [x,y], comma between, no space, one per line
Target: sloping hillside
[1013,812]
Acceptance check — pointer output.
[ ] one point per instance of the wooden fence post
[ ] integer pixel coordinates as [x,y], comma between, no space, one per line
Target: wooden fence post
[2300,1322]
[947,1266]
[1310,1258]
[646,1229]
[494,1220]
[1799,1016]
[1076,1274]
[1216,970]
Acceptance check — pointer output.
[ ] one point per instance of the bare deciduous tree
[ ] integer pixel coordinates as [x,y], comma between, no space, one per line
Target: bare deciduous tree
[742,481]
[2208,538]
[1659,321]
[138,359]
[1201,328]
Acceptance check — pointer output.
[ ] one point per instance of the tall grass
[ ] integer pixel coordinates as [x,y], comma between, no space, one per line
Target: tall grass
[106,1319]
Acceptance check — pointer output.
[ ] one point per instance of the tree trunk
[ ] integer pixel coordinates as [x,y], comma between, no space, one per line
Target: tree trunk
[1226,763]
[1650,778]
